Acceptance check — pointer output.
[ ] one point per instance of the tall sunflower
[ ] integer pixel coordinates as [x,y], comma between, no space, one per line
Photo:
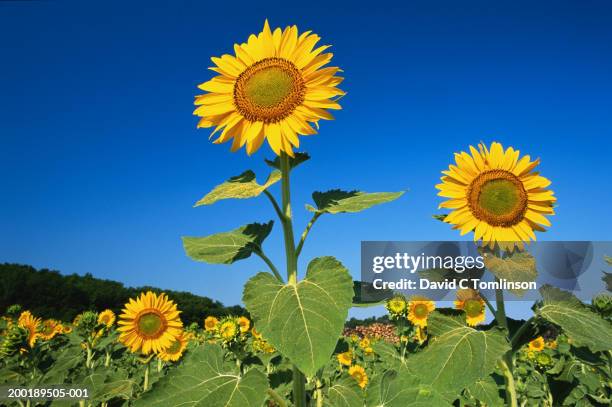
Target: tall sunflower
[498,195]
[32,325]
[149,323]
[272,89]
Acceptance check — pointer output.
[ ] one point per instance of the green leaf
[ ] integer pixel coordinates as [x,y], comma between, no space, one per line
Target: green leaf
[375,297]
[205,379]
[607,278]
[338,201]
[583,326]
[304,320]
[402,389]
[239,187]
[227,247]
[517,267]
[458,355]
[486,391]
[293,161]
[345,393]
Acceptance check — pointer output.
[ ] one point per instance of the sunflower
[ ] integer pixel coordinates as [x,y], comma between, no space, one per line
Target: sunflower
[396,305]
[32,325]
[552,344]
[106,318]
[149,323]
[66,329]
[365,343]
[419,309]
[256,334]
[359,374]
[77,320]
[49,328]
[369,351]
[537,344]
[210,323]
[175,350]
[228,329]
[273,88]
[244,324]
[497,195]
[345,358]
[470,302]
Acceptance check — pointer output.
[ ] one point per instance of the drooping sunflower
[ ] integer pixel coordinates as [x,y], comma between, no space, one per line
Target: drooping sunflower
[272,89]
[175,350]
[498,195]
[149,323]
[210,323]
[396,306]
[359,374]
[470,302]
[419,309]
[537,344]
[244,324]
[345,358]
[49,329]
[32,325]
[106,318]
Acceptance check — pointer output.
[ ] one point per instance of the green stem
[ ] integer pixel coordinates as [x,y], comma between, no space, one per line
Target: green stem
[278,399]
[145,385]
[258,251]
[299,381]
[277,208]
[511,399]
[298,250]
[500,315]
[319,393]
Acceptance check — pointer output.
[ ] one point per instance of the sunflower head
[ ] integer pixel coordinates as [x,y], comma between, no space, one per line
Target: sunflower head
[244,324]
[537,344]
[32,325]
[470,302]
[49,328]
[210,323]
[365,343]
[274,88]
[359,374]
[345,358]
[496,194]
[396,306]
[149,323]
[175,350]
[419,309]
[106,318]
[228,329]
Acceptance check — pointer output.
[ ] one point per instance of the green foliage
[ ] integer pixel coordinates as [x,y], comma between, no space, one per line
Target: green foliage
[582,325]
[298,159]
[228,247]
[514,267]
[49,294]
[242,186]
[304,320]
[338,201]
[205,378]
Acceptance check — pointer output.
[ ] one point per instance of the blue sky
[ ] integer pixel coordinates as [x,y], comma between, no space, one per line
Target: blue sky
[100,159]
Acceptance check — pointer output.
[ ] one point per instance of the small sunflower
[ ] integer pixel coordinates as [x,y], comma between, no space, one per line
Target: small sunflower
[396,306]
[470,302]
[345,358]
[66,329]
[106,318]
[256,334]
[49,328]
[537,344]
[77,320]
[365,343]
[497,195]
[244,324]
[149,323]
[419,309]
[272,89]
[552,344]
[369,351]
[210,323]
[359,374]
[228,329]
[175,350]
[32,325]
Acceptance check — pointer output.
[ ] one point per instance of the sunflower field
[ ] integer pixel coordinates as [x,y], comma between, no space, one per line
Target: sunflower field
[292,348]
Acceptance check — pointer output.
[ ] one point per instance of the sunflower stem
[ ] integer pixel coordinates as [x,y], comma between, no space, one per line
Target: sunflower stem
[500,315]
[298,250]
[299,380]
[511,399]
[278,399]
[258,251]
[277,208]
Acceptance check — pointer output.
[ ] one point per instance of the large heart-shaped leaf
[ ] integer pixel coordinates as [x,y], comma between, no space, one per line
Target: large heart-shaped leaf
[338,201]
[516,267]
[487,392]
[345,393]
[400,388]
[239,187]
[583,326]
[458,355]
[205,379]
[227,247]
[303,320]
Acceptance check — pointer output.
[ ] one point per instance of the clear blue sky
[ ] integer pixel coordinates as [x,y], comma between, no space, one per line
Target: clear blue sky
[100,159]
